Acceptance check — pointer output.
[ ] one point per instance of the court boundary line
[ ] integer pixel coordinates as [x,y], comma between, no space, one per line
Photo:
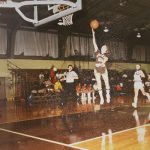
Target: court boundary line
[41,139]
[107,134]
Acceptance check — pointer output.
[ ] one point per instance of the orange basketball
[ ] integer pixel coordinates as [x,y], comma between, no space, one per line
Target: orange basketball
[94,24]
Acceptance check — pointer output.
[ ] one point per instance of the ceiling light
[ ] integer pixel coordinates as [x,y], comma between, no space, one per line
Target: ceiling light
[138,35]
[106,29]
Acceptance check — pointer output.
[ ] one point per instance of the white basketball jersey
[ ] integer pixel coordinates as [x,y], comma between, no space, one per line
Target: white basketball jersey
[137,76]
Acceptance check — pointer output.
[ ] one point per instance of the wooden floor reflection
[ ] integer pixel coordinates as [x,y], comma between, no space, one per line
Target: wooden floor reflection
[58,127]
[20,111]
[137,138]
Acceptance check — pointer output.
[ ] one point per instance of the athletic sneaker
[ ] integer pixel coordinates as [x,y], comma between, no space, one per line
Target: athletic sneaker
[134,105]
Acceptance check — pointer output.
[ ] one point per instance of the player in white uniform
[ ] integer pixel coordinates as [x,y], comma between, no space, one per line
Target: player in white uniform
[138,85]
[101,70]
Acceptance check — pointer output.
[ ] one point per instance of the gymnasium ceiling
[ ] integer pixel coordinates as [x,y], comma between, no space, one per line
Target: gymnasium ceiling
[124,18]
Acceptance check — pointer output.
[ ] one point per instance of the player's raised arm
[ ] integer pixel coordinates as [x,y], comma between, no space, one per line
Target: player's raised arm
[94,41]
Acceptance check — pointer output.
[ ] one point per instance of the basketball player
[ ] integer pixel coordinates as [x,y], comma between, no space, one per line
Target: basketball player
[138,85]
[101,70]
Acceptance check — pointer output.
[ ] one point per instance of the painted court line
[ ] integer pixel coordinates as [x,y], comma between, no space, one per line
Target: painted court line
[88,140]
[42,139]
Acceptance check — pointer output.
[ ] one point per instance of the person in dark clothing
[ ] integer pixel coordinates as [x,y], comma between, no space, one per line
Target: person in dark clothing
[69,89]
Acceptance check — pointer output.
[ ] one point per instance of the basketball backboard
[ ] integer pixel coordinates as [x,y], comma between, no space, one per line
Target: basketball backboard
[55,9]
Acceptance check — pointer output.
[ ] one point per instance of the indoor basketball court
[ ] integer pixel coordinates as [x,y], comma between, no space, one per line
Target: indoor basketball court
[74,75]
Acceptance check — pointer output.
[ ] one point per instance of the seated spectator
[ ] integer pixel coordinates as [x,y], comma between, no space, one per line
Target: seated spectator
[84,91]
[78,89]
[41,77]
[124,75]
[48,83]
[58,86]
[89,91]
[118,88]
[46,75]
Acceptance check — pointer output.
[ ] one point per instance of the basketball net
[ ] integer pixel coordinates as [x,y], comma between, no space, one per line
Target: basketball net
[66,20]
[57,8]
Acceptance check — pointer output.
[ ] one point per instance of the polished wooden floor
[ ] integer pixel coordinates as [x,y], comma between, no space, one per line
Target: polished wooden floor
[137,138]
[77,125]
